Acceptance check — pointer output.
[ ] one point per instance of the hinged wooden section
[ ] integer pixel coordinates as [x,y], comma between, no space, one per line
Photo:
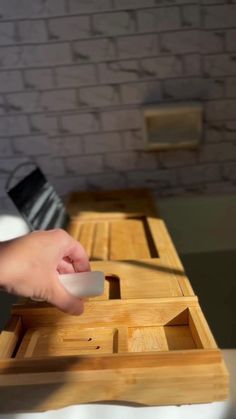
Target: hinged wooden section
[144,341]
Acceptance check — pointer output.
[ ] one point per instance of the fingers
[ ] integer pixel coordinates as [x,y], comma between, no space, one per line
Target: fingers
[78,257]
[72,251]
[64,300]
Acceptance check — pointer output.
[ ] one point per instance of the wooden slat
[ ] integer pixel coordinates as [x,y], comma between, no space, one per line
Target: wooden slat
[200,329]
[74,229]
[128,240]
[100,242]
[84,379]
[10,336]
[86,236]
[136,312]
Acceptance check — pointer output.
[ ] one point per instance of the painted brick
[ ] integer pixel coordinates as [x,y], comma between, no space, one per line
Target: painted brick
[47,101]
[161,67]
[51,166]
[213,132]
[66,146]
[7,165]
[220,65]
[220,16]
[193,88]
[121,119]
[14,125]
[177,158]
[191,16]
[157,179]
[75,76]
[231,87]
[69,28]
[133,4]
[231,40]
[39,79]
[218,152]
[199,174]
[93,50]
[26,9]
[230,131]
[112,24]
[142,92]
[99,96]
[69,184]
[220,110]
[34,55]
[32,31]
[137,46]
[3,106]
[159,19]
[8,35]
[106,181]
[102,143]
[84,165]
[58,100]
[133,140]
[23,102]
[229,171]
[118,71]
[80,123]
[10,81]
[121,161]
[5,148]
[192,41]
[89,6]
[30,146]
[220,187]
[192,65]
[43,124]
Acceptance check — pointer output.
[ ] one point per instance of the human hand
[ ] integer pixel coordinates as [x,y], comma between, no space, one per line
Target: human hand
[29,266]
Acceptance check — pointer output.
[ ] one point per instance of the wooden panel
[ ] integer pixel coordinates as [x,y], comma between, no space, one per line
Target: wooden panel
[136,312]
[58,341]
[179,337]
[10,336]
[200,329]
[157,379]
[146,339]
[145,278]
[128,240]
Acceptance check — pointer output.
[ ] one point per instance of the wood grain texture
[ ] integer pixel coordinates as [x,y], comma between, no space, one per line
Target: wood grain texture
[10,336]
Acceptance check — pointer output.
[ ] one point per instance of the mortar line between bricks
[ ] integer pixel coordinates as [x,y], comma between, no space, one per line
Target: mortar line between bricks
[112,84]
[176,55]
[104,12]
[114,108]
[101,37]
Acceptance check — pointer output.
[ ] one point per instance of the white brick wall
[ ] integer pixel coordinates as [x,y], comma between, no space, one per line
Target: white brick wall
[75,75]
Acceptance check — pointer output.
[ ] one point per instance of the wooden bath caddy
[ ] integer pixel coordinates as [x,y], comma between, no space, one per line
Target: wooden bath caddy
[144,341]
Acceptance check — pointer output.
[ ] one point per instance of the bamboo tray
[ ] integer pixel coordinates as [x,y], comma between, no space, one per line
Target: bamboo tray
[145,341]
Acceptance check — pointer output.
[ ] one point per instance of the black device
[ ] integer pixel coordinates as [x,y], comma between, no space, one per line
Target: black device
[38,202]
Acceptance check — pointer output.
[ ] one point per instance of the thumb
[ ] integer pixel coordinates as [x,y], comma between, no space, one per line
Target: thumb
[65,301]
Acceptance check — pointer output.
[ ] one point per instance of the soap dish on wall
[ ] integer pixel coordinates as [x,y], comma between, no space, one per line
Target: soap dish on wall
[172,126]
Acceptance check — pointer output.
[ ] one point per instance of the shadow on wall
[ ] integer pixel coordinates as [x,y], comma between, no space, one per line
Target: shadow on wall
[213,277]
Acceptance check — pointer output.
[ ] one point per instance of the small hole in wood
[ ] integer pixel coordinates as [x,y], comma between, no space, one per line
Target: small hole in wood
[89,339]
[114,286]
[97,347]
